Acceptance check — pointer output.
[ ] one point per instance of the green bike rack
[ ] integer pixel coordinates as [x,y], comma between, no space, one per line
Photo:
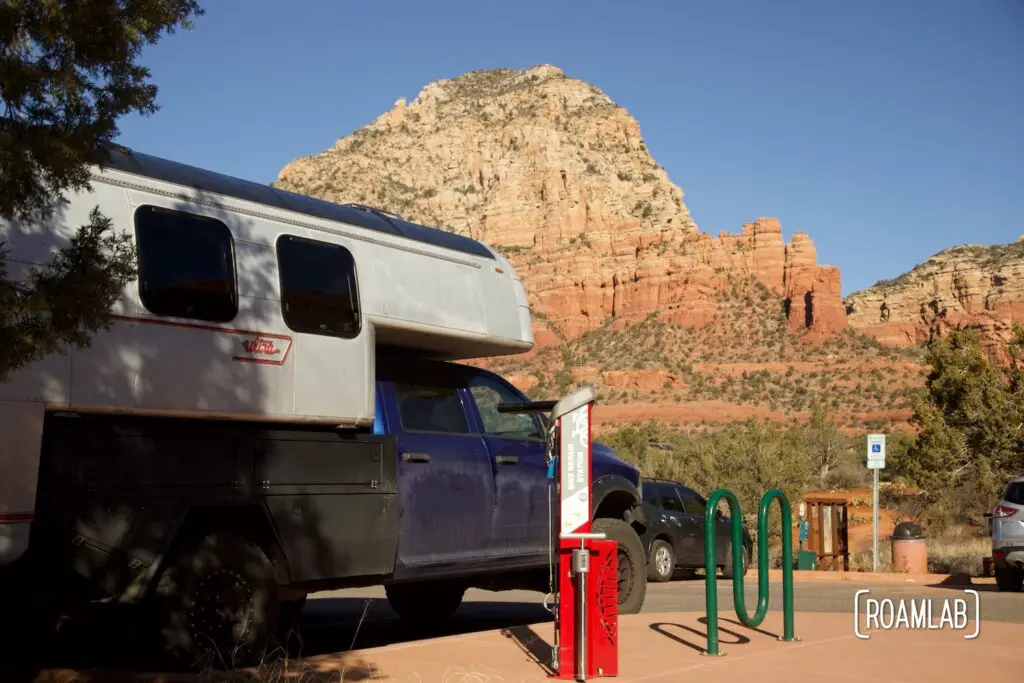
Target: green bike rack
[711,566]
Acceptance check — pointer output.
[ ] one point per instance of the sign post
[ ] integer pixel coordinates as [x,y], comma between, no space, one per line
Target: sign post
[876,461]
[802,525]
[586,587]
[586,630]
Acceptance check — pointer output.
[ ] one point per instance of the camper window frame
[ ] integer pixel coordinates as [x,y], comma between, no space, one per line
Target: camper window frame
[283,289]
[217,226]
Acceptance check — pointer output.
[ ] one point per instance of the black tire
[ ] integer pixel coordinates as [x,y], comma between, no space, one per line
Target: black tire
[287,631]
[421,603]
[28,623]
[727,569]
[36,592]
[662,563]
[632,584]
[215,603]
[1009,579]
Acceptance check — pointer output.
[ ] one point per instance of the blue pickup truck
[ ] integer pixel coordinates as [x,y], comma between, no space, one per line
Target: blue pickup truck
[444,494]
[474,491]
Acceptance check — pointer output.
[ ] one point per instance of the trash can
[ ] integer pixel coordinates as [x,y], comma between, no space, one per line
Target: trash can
[806,559]
[909,549]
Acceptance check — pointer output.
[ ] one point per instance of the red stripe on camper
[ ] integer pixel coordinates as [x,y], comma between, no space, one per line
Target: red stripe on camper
[260,341]
[12,517]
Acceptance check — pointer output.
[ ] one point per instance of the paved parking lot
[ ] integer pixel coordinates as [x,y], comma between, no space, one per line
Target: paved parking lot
[360,619]
[333,617]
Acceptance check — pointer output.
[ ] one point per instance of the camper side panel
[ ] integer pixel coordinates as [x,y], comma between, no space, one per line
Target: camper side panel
[28,390]
[204,330]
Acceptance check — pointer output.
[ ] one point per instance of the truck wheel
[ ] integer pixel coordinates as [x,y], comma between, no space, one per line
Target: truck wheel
[663,562]
[27,625]
[423,602]
[1009,580]
[215,603]
[288,619]
[632,563]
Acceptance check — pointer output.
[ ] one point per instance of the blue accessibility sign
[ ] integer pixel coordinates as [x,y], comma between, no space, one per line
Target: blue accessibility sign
[876,448]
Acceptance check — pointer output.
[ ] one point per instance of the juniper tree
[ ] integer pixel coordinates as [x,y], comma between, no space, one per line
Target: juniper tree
[69,70]
[971,422]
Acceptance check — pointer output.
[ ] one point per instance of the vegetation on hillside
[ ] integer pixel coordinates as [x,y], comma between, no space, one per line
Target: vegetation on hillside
[70,71]
[970,442]
[754,456]
[991,258]
[788,373]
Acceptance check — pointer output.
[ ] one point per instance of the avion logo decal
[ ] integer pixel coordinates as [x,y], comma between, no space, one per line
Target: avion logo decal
[247,346]
[271,349]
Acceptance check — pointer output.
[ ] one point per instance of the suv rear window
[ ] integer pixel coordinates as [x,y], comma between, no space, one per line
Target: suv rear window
[1014,493]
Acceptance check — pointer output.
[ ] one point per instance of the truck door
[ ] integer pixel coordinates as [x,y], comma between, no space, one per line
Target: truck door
[518,456]
[445,483]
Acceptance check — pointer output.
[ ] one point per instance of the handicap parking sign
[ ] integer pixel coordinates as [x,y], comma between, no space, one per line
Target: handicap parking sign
[876,451]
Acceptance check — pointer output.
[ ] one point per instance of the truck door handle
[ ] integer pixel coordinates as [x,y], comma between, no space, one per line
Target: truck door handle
[508,459]
[416,457]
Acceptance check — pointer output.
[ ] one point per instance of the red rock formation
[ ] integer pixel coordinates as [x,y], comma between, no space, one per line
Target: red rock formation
[966,286]
[551,172]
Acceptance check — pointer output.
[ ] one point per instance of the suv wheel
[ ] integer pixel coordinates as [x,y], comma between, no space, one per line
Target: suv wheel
[1009,579]
[727,569]
[663,562]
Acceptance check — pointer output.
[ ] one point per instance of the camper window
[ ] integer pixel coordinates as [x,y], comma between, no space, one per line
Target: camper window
[318,287]
[186,265]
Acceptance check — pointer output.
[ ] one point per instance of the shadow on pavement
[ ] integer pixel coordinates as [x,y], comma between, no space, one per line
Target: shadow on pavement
[338,624]
[536,648]
[981,588]
[662,628]
[755,629]
[102,647]
[961,581]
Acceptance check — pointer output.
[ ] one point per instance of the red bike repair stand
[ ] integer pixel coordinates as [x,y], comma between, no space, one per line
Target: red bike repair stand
[586,613]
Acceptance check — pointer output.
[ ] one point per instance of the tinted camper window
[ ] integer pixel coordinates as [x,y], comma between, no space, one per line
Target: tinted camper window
[318,287]
[186,265]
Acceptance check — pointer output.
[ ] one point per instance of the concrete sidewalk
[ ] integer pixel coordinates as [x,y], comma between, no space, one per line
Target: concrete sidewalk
[662,648]
[659,648]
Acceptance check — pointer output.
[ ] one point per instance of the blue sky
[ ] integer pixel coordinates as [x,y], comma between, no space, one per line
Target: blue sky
[886,130]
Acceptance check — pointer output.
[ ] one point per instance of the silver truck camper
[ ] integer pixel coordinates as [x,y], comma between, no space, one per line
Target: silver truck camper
[252,304]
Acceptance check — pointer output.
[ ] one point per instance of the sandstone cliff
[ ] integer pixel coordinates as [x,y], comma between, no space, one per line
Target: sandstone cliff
[966,286]
[550,171]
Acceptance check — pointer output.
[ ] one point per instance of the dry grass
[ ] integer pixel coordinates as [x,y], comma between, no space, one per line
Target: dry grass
[951,553]
[279,666]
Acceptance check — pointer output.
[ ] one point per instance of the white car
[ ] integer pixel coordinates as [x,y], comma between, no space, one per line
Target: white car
[1006,526]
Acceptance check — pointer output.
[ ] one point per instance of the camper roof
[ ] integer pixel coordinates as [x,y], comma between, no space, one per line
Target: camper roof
[129,161]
